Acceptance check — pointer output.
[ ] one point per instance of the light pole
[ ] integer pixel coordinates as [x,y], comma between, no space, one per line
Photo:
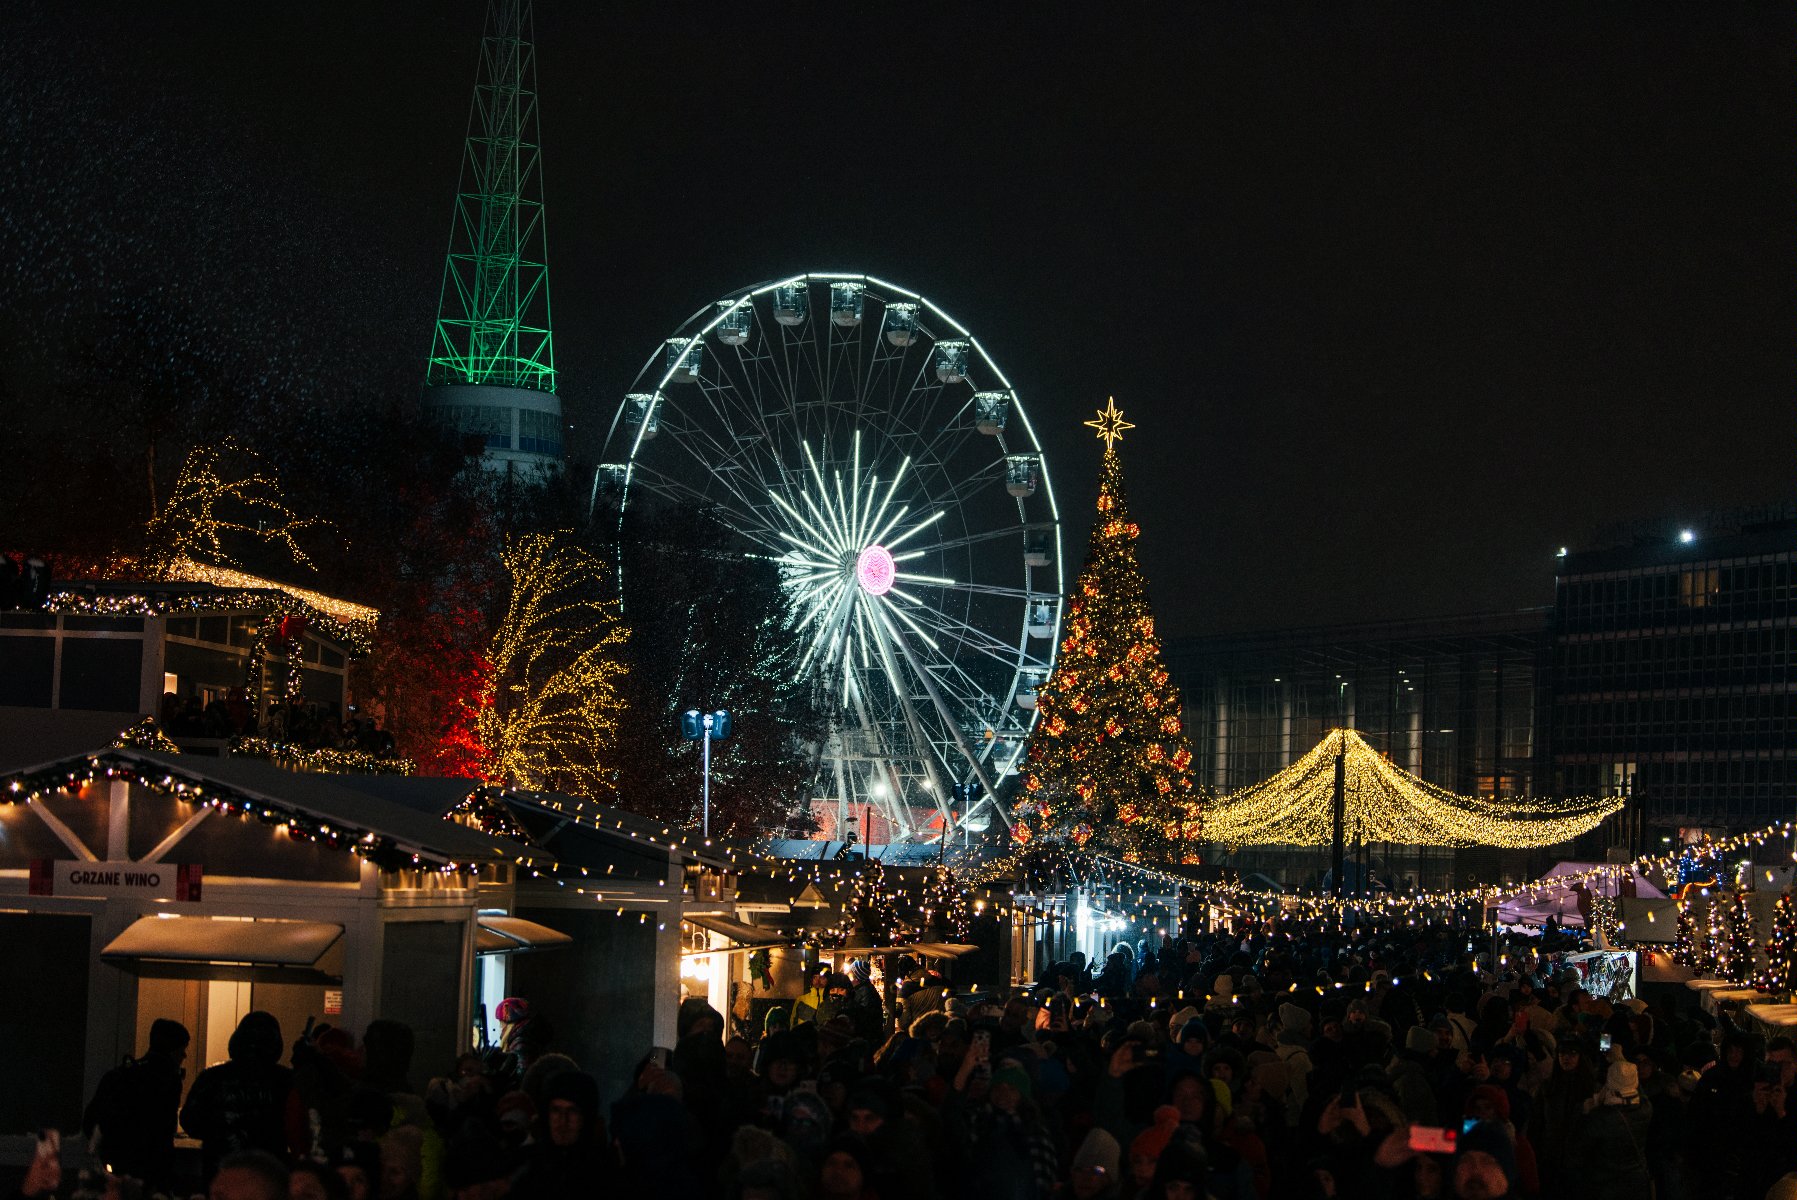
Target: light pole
[701,727]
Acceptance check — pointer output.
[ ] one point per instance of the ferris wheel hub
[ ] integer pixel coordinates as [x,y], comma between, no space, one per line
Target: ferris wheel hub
[874,570]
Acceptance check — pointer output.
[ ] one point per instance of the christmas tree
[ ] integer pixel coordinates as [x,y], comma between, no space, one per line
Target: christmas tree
[1780,972]
[1109,760]
[1684,947]
[945,915]
[1737,953]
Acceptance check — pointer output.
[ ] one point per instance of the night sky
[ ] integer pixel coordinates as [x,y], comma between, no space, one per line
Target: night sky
[1401,299]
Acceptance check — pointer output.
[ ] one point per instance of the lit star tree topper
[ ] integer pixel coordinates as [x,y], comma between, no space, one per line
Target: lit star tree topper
[1109,760]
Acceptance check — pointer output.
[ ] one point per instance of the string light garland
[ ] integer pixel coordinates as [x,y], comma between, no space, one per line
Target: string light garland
[549,719]
[324,759]
[344,612]
[1109,760]
[91,602]
[119,765]
[1296,807]
[1157,883]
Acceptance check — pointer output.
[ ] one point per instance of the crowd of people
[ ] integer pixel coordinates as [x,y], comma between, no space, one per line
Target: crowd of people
[1281,1059]
[306,724]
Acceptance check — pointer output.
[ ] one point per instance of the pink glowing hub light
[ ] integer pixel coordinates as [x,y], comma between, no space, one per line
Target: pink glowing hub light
[874,570]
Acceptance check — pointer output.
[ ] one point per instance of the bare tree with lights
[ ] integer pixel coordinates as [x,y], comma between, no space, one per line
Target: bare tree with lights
[1110,761]
[549,718]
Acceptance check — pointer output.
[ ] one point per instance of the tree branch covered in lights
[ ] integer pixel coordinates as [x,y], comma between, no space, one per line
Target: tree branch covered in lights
[548,719]
[1109,760]
[1296,807]
[223,495]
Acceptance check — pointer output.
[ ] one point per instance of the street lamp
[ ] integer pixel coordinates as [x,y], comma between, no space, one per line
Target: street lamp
[696,726]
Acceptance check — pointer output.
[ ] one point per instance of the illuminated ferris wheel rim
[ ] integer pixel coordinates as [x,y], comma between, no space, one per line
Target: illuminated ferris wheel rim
[870,564]
[719,311]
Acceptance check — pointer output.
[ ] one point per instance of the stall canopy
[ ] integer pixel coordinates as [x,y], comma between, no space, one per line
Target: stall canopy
[1565,899]
[498,934]
[209,941]
[746,936]
[926,949]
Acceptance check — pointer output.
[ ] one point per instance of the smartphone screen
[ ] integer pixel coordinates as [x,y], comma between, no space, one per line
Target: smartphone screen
[1466,1126]
[1603,1043]
[1426,1139]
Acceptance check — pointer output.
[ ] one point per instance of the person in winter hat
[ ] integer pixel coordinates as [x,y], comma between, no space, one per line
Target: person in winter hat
[1096,1174]
[1146,1150]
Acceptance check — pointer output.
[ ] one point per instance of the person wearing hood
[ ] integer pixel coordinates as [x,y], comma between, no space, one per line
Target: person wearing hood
[241,1104]
[1292,1045]
[1410,1074]
[572,1156]
[1559,1107]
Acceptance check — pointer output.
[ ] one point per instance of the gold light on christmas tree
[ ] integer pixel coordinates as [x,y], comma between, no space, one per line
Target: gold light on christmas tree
[551,720]
[1109,760]
[1385,804]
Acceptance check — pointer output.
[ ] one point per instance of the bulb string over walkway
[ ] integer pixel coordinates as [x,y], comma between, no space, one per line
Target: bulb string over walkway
[1386,804]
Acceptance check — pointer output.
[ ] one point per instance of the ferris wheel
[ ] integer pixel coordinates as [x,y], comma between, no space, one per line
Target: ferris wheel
[862,439]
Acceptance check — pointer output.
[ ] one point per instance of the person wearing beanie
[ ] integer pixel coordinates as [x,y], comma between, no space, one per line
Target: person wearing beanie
[1009,1150]
[1095,1174]
[1489,1104]
[1146,1149]
[843,1173]
[1611,1138]
[573,1155]
[1222,997]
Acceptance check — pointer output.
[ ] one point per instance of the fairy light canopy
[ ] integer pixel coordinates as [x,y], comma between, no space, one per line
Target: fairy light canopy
[1386,804]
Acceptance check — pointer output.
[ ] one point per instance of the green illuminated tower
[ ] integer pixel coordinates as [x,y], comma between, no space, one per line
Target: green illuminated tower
[492,362]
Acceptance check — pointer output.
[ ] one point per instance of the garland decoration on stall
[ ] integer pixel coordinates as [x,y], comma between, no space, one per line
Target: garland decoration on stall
[483,809]
[326,760]
[145,734]
[1109,759]
[128,765]
[1779,975]
[1296,807]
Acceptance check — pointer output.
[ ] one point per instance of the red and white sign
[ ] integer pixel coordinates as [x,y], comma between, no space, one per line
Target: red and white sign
[139,881]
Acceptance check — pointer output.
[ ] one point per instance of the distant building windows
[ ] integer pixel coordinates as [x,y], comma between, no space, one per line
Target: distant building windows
[539,432]
[1698,587]
[492,422]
